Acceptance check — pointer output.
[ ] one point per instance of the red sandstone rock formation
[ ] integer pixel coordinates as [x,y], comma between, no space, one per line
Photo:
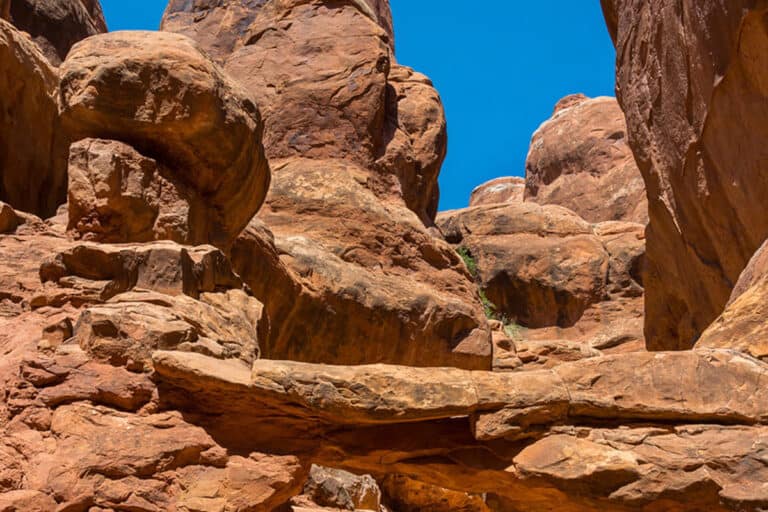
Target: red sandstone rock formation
[141,371]
[690,81]
[580,159]
[499,190]
[56,25]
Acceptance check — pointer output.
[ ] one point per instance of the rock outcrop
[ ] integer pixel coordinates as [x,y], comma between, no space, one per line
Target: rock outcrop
[691,86]
[742,325]
[164,346]
[56,25]
[360,280]
[355,143]
[580,159]
[200,125]
[500,190]
[543,266]
[33,148]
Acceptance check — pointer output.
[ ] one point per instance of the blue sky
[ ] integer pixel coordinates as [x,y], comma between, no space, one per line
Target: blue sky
[500,68]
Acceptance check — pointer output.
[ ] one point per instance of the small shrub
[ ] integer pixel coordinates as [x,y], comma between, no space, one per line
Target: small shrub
[469,261]
[513,330]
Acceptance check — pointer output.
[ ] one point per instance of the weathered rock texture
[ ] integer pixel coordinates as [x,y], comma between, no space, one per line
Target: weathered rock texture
[33,150]
[742,325]
[543,266]
[201,125]
[563,463]
[56,25]
[359,280]
[691,82]
[500,190]
[580,159]
[355,142]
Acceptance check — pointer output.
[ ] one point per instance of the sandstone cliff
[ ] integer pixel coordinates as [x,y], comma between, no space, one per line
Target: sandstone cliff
[224,285]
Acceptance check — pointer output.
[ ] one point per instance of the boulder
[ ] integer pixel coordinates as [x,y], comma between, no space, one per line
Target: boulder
[499,190]
[700,150]
[360,280]
[33,148]
[200,124]
[551,279]
[539,266]
[580,159]
[56,25]
[339,490]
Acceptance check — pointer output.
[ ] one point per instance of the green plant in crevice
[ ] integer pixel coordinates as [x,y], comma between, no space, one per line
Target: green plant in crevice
[469,261]
[488,307]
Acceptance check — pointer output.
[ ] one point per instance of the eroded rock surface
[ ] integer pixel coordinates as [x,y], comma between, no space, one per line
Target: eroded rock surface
[699,149]
[33,148]
[499,190]
[201,125]
[56,25]
[580,159]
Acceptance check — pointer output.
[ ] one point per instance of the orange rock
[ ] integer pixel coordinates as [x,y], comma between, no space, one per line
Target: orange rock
[201,125]
[33,149]
[742,325]
[56,25]
[700,150]
[360,280]
[580,159]
[499,190]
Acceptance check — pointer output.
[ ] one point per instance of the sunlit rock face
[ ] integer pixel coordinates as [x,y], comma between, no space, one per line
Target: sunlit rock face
[235,294]
[691,81]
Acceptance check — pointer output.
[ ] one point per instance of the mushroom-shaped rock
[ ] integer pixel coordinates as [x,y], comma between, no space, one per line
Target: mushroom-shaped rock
[162,95]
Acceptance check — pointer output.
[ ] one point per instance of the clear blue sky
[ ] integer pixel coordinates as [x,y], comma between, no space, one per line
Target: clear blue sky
[500,68]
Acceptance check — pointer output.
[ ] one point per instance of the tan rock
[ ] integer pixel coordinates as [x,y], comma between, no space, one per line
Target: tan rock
[339,490]
[499,190]
[259,481]
[117,195]
[129,327]
[580,159]
[202,125]
[26,501]
[700,150]
[578,464]
[358,280]
[56,25]
[742,325]
[664,387]
[33,149]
